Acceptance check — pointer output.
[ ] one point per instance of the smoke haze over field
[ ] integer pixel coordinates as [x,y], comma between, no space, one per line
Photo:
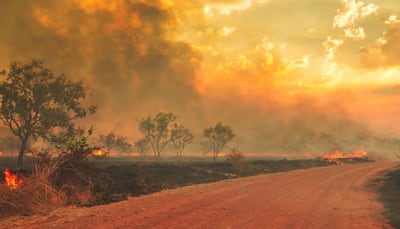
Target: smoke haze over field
[329,82]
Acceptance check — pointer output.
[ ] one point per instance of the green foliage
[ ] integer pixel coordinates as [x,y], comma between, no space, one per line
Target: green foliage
[217,137]
[142,146]
[35,102]
[111,141]
[75,176]
[161,130]
[76,147]
[180,137]
[58,178]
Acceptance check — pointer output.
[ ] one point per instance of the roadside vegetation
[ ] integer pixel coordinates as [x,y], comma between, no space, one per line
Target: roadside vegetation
[96,181]
[389,195]
[72,169]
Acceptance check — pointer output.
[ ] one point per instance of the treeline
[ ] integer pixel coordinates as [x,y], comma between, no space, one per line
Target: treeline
[37,105]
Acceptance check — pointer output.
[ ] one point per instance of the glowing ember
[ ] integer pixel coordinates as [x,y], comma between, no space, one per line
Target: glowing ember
[11,180]
[99,153]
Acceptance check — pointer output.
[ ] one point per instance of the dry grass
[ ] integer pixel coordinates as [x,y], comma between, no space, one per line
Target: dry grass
[46,188]
[36,195]
[238,162]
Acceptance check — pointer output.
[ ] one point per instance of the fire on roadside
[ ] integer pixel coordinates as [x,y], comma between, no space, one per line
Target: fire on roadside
[11,180]
[357,154]
[333,157]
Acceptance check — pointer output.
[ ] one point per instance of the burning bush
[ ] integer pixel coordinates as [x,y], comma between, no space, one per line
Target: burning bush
[33,195]
[11,180]
[75,176]
[56,179]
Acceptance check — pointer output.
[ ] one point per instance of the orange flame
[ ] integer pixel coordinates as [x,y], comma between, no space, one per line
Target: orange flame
[339,155]
[357,154]
[11,180]
[99,153]
[332,156]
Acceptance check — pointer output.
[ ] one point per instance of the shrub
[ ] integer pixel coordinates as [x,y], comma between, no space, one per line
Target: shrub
[238,162]
[36,195]
[57,179]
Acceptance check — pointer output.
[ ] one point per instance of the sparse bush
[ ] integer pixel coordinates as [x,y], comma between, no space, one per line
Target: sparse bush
[238,161]
[76,177]
[58,179]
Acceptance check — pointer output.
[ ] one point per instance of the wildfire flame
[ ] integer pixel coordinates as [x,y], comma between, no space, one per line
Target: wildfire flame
[99,153]
[11,180]
[357,154]
[339,155]
[333,156]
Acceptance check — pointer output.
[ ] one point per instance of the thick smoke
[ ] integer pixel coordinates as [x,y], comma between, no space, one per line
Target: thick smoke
[127,54]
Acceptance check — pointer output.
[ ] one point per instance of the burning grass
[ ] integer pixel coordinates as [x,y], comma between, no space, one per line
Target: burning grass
[12,181]
[336,156]
[28,195]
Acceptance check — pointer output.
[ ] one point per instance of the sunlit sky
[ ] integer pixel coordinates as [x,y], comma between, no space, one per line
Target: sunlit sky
[218,60]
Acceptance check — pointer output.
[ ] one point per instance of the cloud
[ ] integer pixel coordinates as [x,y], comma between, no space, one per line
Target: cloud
[384,52]
[355,33]
[392,20]
[330,46]
[229,6]
[226,31]
[352,12]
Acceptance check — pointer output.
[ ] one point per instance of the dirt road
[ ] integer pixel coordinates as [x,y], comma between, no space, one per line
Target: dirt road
[329,197]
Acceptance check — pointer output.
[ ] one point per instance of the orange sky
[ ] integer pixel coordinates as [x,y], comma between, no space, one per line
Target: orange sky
[266,63]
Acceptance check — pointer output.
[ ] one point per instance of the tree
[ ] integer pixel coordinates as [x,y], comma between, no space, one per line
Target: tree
[142,146]
[111,141]
[217,137]
[180,137]
[157,131]
[35,102]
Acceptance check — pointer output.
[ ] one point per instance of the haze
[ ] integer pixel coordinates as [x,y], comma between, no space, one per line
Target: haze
[288,75]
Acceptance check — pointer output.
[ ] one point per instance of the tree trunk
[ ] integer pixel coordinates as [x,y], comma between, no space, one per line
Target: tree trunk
[21,153]
[215,156]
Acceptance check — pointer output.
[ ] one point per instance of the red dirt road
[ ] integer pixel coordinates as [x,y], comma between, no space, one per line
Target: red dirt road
[328,197]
